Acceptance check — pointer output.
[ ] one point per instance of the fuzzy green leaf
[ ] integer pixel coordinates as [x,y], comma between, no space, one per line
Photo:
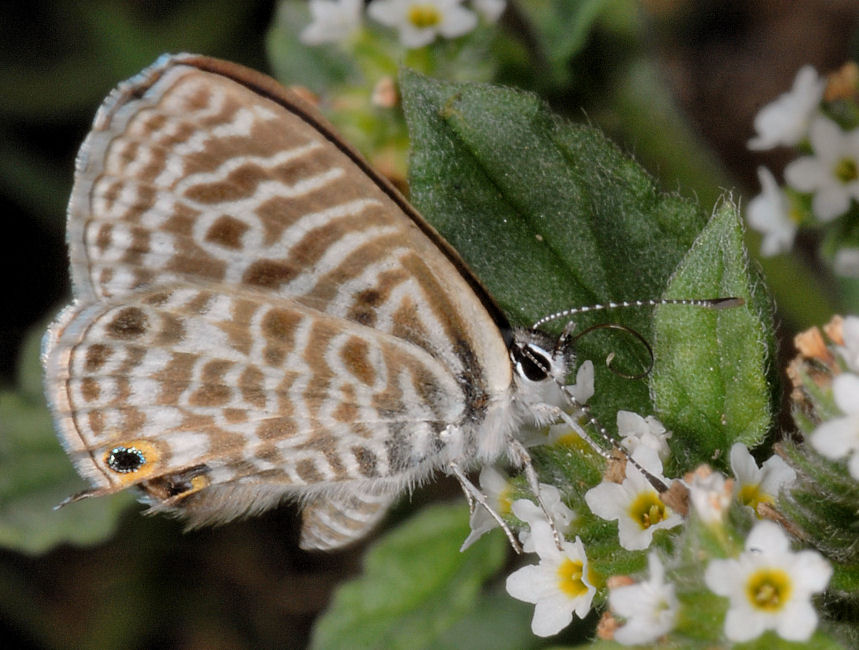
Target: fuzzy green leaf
[709,381]
[415,586]
[549,215]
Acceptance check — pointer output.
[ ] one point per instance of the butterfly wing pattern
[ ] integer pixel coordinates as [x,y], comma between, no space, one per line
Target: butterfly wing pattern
[257,315]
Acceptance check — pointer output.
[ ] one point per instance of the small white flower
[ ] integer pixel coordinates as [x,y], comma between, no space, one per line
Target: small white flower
[710,495]
[421,21]
[634,503]
[650,608]
[839,437]
[850,350]
[496,488]
[531,513]
[491,10]
[832,173]
[770,213]
[333,21]
[758,485]
[785,121]
[769,586]
[558,586]
[636,430]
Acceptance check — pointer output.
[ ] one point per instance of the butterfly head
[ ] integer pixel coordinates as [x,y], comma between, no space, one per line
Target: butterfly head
[540,366]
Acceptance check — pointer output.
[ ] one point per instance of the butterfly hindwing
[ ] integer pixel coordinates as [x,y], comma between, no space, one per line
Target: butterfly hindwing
[341,517]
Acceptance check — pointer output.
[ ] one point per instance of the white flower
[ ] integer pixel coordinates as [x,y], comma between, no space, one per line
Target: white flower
[839,437]
[785,121]
[636,430]
[650,608]
[496,489]
[421,21]
[558,585]
[634,503]
[769,586]
[758,485]
[333,21]
[850,350]
[531,513]
[832,173]
[770,214]
[491,10]
[710,495]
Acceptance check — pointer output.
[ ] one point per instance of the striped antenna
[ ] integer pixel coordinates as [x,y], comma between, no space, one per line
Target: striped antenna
[709,303]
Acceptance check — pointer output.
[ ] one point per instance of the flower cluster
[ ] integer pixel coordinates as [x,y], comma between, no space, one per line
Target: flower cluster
[768,586]
[418,22]
[820,118]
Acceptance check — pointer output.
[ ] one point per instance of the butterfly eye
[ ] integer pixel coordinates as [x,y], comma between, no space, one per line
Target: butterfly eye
[125,460]
[532,362]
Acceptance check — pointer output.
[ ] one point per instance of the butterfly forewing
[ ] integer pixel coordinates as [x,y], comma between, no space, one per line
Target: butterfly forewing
[253,305]
[191,175]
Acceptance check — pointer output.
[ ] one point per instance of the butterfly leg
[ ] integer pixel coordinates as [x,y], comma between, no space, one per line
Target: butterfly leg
[472,504]
[520,456]
[473,494]
[571,422]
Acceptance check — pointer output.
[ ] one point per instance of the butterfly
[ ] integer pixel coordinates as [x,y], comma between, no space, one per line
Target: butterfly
[258,316]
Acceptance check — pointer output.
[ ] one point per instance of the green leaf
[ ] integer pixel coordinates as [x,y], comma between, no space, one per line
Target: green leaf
[497,622]
[415,586]
[771,641]
[562,28]
[549,215]
[709,381]
[37,474]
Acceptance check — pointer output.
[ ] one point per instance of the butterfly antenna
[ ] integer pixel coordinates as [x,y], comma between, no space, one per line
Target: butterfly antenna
[610,357]
[708,303]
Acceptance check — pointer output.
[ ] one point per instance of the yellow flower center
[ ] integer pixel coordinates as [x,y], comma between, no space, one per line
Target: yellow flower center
[424,15]
[751,495]
[570,578]
[504,502]
[769,589]
[572,440]
[647,509]
[846,170]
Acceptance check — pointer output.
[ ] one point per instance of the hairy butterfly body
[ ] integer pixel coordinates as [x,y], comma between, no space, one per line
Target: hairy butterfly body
[258,316]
